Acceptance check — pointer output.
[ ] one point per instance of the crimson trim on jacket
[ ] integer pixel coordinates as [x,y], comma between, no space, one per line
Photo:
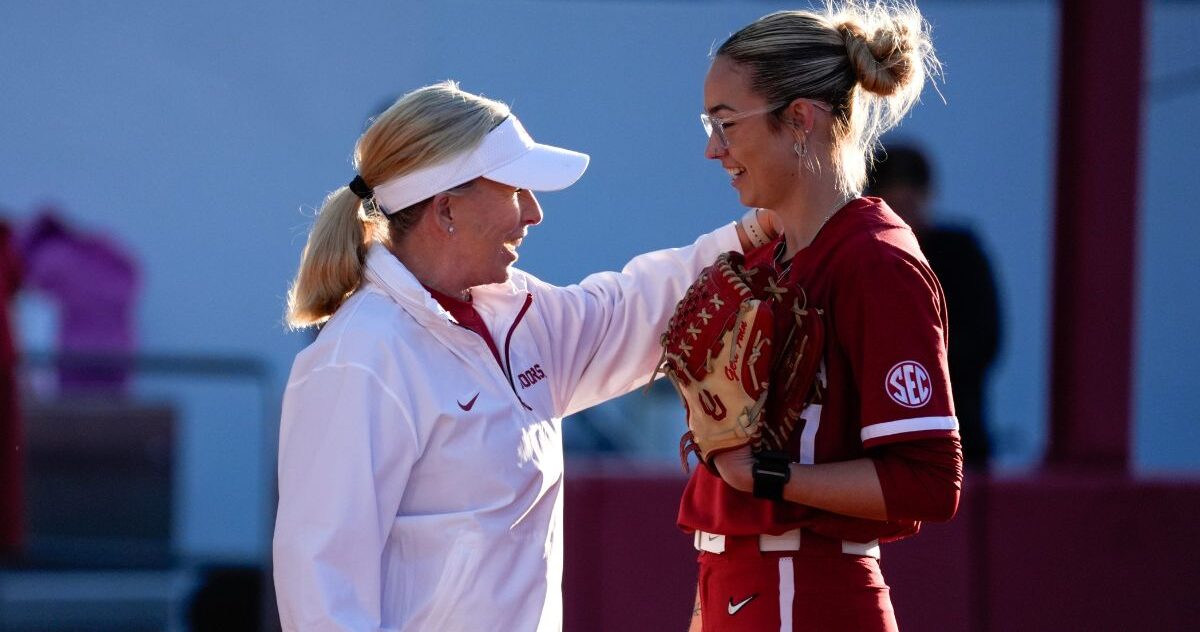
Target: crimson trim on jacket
[507,344]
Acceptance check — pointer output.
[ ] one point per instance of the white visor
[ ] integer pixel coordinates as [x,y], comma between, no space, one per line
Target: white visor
[507,155]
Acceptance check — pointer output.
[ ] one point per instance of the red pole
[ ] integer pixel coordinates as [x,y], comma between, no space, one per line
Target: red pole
[12,475]
[12,459]
[1095,241]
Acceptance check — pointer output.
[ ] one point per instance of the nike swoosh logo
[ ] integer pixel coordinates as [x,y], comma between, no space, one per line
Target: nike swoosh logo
[469,405]
[712,537]
[733,608]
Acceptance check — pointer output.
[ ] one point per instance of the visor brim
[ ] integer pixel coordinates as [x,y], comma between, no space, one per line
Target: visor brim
[542,168]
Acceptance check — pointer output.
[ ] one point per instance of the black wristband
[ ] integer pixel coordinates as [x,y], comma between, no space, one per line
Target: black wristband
[772,470]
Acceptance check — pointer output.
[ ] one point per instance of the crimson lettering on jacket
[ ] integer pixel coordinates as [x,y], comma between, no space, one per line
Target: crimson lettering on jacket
[531,376]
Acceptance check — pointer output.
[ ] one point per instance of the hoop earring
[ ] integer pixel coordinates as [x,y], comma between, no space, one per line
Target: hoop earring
[804,160]
[801,147]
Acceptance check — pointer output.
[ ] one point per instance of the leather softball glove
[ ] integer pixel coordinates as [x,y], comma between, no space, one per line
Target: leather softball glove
[717,352]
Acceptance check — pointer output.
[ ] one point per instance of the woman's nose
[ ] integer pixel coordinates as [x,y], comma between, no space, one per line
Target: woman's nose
[714,149]
[531,210]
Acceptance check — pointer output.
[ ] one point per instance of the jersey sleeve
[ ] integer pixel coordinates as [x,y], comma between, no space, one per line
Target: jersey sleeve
[922,479]
[891,319]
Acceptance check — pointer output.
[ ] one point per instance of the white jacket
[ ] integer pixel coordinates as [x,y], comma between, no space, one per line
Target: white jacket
[420,482]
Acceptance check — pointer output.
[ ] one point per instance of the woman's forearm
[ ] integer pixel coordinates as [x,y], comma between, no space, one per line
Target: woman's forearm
[850,488]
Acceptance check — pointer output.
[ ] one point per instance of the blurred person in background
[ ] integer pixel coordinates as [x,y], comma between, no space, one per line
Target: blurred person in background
[793,105]
[420,452]
[903,177]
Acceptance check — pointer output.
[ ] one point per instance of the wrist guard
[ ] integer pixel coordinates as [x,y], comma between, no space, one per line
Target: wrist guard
[772,470]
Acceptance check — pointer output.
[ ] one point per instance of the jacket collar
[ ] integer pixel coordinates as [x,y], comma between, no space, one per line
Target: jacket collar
[387,273]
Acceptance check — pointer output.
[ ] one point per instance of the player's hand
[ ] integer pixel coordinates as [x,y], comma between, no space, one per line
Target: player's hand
[736,468]
[770,222]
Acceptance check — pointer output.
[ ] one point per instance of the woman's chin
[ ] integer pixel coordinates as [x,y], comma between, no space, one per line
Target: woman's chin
[747,199]
[501,276]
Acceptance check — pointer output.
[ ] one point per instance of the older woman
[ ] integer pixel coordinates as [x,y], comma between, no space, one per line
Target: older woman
[420,456]
[789,538]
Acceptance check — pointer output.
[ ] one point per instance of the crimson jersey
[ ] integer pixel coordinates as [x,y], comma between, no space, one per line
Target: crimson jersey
[884,372]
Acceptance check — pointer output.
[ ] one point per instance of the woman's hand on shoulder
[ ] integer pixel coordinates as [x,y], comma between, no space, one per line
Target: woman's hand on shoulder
[770,222]
[757,228]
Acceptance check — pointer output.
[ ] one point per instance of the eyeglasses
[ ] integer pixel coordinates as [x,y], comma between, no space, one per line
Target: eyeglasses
[714,123]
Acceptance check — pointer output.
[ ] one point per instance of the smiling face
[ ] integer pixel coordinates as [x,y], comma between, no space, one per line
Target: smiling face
[760,157]
[490,220]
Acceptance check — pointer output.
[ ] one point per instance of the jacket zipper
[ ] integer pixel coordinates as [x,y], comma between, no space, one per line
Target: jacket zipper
[508,341]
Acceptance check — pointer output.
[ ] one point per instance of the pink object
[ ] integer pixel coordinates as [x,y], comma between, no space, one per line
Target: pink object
[94,283]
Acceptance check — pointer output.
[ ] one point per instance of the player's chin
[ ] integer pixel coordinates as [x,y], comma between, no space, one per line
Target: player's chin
[747,197]
[754,194]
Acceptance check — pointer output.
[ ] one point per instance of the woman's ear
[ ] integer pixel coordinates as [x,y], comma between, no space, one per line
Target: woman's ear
[799,114]
[443,214]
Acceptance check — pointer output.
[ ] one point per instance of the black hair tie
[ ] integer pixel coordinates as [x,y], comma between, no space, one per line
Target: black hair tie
[359,187]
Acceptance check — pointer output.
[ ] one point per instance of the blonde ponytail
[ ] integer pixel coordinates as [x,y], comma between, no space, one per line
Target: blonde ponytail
[332,262]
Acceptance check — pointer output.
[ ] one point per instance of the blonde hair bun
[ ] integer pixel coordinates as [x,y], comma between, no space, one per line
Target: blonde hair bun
[887,46]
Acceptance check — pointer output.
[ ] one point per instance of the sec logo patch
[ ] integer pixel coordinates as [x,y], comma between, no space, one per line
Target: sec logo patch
[908,384]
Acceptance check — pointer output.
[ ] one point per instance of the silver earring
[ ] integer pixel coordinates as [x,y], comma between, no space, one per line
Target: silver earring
[451,229]
[801,149]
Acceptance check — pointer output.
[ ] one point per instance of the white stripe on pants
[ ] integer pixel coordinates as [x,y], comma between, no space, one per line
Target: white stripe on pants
[787,589]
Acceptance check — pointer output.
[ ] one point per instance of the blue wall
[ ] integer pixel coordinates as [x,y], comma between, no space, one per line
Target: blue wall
[203,136]
[1167,428]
